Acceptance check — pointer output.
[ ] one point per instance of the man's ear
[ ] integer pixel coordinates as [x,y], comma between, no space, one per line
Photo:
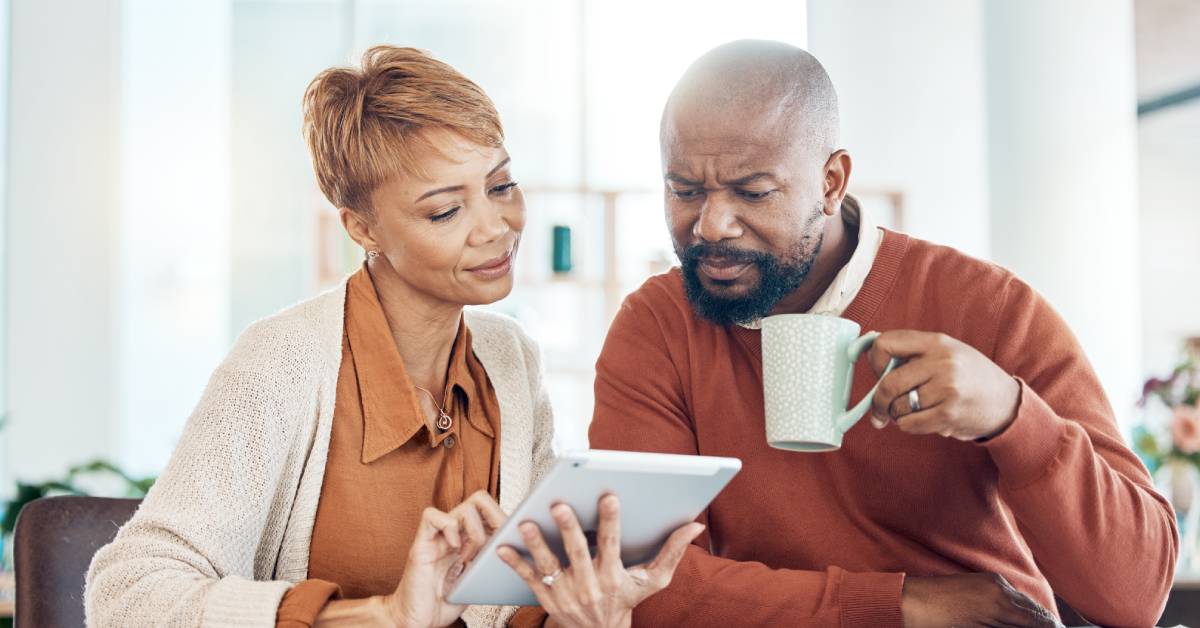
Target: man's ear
[837,177]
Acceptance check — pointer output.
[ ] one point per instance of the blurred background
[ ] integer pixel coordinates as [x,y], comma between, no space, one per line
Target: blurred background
[156,195]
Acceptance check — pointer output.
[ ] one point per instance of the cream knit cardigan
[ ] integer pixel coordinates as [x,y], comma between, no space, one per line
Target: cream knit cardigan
[225,531]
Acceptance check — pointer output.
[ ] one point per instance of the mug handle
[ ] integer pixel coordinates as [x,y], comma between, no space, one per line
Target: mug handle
[855,351]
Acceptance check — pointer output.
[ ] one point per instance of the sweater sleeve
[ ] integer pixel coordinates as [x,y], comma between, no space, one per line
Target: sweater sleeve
[303,603]
[1081,499]
[187,556]
[641,406]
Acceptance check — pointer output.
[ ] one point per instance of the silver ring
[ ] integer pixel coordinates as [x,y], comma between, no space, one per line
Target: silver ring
[549,580]
[914,401]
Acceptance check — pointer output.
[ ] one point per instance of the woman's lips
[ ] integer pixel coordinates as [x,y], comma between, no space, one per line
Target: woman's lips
[722,269]
[494,268]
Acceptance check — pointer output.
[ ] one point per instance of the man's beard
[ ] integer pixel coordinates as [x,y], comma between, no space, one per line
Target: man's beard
[777,279]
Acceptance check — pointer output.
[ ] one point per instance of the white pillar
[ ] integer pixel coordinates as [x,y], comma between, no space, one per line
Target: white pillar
[1062,160]
[62,187]
[910,84]
[4,44]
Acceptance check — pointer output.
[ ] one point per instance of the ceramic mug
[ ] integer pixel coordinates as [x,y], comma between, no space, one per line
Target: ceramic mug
[808,371]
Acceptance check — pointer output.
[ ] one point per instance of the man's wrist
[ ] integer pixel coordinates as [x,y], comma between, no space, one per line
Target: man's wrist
[1014,408]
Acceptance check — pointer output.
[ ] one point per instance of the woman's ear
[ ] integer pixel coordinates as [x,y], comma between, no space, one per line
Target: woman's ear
[358,227]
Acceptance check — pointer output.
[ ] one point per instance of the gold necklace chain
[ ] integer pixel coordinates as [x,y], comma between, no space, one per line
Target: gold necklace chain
[444,422]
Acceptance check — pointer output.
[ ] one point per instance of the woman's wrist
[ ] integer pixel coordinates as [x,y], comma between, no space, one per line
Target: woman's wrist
[393,613]
[624,621]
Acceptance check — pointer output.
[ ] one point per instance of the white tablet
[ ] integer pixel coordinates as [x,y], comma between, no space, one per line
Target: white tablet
[658,493]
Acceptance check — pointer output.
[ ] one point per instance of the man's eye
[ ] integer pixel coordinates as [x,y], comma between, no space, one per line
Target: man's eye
[754,196]
[685,194]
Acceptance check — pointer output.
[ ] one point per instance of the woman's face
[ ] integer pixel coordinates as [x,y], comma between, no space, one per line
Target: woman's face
[452,237]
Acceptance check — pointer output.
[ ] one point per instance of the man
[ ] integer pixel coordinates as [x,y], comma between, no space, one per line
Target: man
[1008,482]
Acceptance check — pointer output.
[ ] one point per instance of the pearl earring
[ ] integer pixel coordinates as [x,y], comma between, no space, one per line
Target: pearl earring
[372,254]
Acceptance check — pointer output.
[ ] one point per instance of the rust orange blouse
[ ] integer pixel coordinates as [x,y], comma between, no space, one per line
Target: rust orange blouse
[388,461]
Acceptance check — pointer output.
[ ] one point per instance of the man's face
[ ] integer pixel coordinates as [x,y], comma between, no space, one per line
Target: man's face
[744,200]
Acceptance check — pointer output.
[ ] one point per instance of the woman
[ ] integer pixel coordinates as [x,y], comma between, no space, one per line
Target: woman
[345,460]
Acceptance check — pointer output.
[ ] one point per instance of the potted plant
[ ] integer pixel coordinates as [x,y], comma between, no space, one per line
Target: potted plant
[1168,442]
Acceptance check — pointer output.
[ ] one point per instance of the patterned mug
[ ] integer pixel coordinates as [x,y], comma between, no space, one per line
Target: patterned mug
[808,370]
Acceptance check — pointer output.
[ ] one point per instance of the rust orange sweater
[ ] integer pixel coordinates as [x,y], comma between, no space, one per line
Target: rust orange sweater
[1056,503]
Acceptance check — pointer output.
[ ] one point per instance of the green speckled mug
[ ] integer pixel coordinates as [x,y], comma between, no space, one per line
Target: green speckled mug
[808,371]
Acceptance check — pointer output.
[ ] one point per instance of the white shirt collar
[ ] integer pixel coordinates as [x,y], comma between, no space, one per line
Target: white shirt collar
[850,279]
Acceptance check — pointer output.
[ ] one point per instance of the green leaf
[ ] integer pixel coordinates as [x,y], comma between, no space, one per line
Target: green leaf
[27,493]
[1145,443]
[135,487]
[1146,447]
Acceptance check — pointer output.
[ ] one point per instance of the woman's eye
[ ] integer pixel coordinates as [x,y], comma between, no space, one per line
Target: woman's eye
[503,188]
[444,216]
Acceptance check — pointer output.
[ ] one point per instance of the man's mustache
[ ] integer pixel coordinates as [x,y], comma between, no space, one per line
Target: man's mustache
[694,253]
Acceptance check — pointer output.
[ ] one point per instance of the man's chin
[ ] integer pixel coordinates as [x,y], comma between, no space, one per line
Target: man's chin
[729,290]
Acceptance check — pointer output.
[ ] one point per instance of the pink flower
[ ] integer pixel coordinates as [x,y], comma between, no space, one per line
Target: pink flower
[1185,429]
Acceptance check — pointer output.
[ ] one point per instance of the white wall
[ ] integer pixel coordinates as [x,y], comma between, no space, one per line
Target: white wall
[118,206]
[1063,170]
[278,47]
[173,239]
[62,175]
[910,82]
[1008,126]
[1168,159]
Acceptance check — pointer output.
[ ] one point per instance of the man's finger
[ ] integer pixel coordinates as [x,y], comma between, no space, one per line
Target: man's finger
[930,421]
[926,399]
[896,384]
[903,344]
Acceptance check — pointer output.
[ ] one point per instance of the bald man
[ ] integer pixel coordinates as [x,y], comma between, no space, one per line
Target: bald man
[1006,484]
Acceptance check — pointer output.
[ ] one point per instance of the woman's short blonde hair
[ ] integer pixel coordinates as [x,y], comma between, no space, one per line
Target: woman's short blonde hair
[364,125]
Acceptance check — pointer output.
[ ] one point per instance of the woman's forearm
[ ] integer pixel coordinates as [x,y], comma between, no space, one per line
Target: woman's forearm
[372,611]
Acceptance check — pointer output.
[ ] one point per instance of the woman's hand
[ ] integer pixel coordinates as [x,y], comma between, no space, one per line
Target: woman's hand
[600,591]
[444,544]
